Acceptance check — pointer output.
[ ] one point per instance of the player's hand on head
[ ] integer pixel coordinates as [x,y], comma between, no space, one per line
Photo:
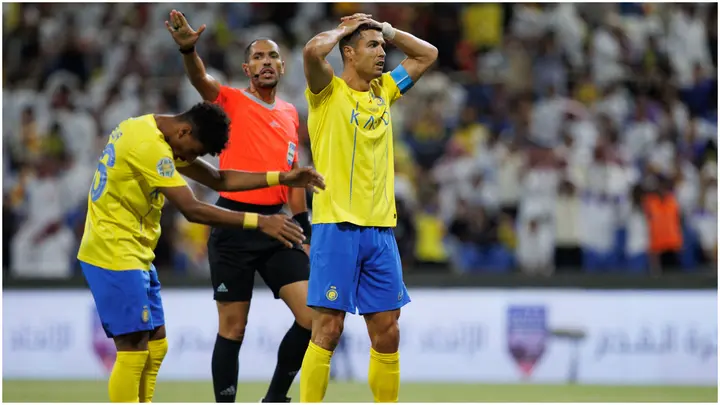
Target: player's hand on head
[282,228]
[350,24]
[356,16]
[304,177]
[183,34]
[362,18]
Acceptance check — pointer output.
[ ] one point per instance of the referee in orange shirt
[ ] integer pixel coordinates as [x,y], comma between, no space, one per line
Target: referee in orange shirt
[263,137]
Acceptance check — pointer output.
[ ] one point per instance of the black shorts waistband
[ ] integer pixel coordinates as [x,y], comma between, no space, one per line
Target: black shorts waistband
[245,207]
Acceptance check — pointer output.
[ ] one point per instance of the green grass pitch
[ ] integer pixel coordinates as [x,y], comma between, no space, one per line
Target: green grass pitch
[96,391]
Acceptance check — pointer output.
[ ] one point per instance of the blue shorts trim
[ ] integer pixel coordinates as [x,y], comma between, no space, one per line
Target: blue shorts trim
[127,301]
[355,269]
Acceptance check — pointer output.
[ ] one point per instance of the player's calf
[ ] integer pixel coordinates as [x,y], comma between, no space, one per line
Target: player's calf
[327,327]
[157,349]
[132,354]
[384,370]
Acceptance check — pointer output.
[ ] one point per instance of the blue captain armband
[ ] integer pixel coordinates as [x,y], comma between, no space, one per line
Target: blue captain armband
[402,79]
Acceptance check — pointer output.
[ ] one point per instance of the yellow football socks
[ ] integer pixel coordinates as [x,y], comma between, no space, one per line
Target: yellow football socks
[315,373]
[124,384]
[158,349]
[384,376]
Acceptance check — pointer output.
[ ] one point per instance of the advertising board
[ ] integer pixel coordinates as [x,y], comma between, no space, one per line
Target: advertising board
[463,335]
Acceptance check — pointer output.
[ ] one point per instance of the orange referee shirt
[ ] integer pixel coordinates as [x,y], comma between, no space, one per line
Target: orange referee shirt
[263,137]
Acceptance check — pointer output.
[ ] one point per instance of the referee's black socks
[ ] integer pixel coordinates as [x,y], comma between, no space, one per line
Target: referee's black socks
[290,357]
[225,368]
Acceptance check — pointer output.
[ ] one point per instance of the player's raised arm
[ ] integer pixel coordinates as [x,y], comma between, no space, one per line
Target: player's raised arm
[318,71]
[186,38]
[278,226]
[420,54]
[235,180]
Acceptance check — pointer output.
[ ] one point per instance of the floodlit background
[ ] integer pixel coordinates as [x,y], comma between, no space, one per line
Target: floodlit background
[571,147]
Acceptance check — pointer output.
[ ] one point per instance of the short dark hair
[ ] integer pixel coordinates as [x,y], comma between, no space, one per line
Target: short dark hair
[351,39]
[248,48]
[210,126]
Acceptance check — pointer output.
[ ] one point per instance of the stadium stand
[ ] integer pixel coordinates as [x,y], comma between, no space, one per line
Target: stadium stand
[549,138]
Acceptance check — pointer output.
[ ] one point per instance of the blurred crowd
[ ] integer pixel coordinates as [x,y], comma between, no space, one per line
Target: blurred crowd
[548,138]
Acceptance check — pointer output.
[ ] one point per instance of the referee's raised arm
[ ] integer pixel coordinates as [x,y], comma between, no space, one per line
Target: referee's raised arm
[186,38]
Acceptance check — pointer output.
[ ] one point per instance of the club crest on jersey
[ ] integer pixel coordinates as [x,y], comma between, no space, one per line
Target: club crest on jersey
[166,167]
[378,101]
[291,153]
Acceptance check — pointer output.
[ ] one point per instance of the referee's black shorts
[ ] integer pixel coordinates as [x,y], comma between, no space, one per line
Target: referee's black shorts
[235,254]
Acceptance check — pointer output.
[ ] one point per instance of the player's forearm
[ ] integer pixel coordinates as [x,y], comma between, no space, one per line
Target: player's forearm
[414,47]
[235,180]
[229,180]
[200,212]
[323,43]
[206,214]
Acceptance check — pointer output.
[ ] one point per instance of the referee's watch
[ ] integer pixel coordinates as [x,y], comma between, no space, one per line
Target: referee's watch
[188,50]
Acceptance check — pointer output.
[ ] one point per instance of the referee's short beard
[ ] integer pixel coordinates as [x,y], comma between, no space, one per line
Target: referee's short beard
[259,83]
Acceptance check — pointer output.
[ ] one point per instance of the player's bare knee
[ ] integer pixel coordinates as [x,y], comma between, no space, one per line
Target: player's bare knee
[327,329]
[387,340]
[158,333]
[132,342]
[328,335]
[384,331]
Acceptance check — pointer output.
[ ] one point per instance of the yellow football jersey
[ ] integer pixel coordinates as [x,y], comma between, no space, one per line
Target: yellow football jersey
[352,146]
[122,226]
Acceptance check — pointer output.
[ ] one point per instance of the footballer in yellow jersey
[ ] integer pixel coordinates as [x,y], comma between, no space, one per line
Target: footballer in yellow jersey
[354,258]
[139,167]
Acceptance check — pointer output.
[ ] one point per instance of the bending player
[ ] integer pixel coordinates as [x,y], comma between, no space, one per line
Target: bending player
[354,257]
[135,174]
[263,136]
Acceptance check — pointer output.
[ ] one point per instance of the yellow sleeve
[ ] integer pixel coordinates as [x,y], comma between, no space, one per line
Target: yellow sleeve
[390,87]
[154,161]
[316,100]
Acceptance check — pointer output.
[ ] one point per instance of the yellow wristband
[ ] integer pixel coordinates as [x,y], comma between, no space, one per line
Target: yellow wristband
[250,221]
[273,178]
